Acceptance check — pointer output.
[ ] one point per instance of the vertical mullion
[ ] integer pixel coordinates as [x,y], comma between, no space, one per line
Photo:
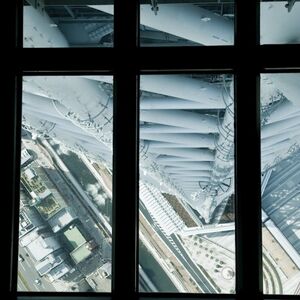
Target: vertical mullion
[16,162]
[11,133]
[19,23]
[11,180]
[125,146]
[248,208]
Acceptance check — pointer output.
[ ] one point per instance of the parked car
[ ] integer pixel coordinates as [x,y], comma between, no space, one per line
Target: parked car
[37,281]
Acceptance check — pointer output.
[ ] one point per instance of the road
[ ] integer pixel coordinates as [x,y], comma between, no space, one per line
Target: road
[196,273]
[183,257]
[27,274]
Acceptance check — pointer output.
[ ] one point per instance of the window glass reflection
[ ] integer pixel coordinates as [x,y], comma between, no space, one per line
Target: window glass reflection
[60,26]
[187,232]
[280,165]
[65,221]
[280,22]
[186,23]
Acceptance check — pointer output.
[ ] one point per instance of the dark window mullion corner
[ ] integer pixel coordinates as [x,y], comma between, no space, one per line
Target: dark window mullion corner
[248,206]
[19,23]
[61,296]
[125,146]
[126,26]
[185,296]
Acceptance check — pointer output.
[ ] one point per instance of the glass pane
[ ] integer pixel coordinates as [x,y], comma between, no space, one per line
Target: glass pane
[280,166]
[280,22]
[186,22]
[66,25]
[186,188]
[66,184]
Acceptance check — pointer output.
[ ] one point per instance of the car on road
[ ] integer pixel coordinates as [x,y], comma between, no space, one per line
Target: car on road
[21,258]
[37,281]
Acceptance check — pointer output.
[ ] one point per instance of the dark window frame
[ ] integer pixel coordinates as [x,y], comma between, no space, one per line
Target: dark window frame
[246,59]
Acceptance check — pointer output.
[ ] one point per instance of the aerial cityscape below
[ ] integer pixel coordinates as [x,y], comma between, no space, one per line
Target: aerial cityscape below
[186,157]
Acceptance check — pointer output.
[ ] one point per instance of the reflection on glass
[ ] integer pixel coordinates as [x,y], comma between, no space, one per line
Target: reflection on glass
[280,165]
[186,23]
[186,188]
[280,22]
[60,26]
[66,184]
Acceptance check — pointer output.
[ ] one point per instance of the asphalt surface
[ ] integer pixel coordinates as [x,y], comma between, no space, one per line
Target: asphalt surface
[182,256]
[27,275]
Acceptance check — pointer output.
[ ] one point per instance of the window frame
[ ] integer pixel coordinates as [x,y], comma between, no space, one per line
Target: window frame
[235,59]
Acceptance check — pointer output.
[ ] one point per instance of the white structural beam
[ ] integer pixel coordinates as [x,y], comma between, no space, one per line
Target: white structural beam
[286,109]
[183,90]
[272,141]
[80,95]
[184,87]
[199,25]
[202,123]
[160,128]
[208,229]
[190,174]
[40,31]
[204,165]
[289,84]
[176,103]
[191,144]
[189,178]
[195,154]
[189,139]
[187,21]
[279,127]
[190,22]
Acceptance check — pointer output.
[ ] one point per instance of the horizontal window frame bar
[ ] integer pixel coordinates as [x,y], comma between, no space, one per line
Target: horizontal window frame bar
[89,2]
[72,295]
[154,59]
[172,296]
[158,296]
[106,72]
[280,70]
[58,296]
[280,297]
[187,72]
[68,73]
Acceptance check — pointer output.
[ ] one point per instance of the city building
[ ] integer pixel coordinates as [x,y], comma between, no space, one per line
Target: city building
[80,247]
[62,218]
[28,220]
